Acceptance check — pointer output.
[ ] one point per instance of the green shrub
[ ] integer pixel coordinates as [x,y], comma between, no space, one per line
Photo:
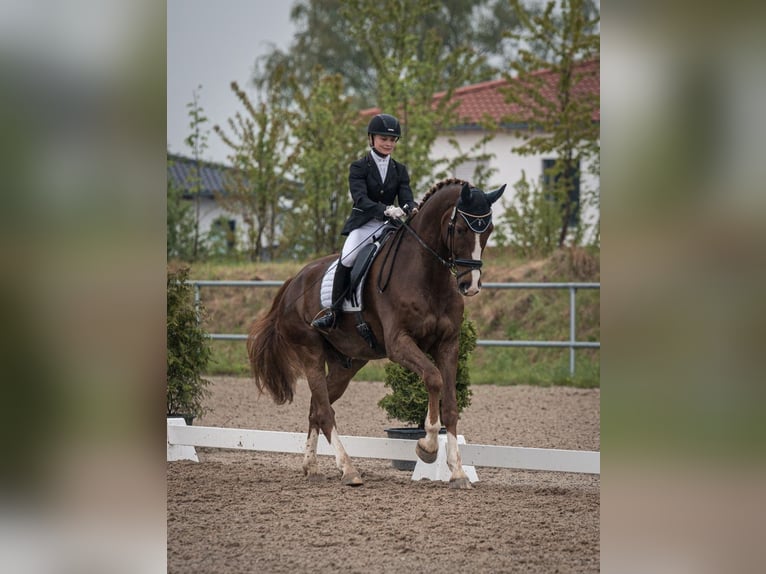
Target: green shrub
[408,400]
[188,349]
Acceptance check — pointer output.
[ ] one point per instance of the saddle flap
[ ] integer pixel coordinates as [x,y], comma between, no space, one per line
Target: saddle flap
[363,260]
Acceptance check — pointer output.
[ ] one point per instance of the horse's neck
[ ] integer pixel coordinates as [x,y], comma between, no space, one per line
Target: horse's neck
[429,228]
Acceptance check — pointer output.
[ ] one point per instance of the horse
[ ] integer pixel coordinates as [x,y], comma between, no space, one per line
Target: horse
[413,304]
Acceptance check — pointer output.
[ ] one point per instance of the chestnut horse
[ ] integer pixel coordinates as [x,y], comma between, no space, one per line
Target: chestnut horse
[414,307]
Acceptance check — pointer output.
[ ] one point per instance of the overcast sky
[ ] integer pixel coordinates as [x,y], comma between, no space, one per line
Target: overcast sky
[212,42]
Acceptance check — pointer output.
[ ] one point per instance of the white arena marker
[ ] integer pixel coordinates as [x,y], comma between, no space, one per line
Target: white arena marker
[387,448]
[438,470]
[180,451]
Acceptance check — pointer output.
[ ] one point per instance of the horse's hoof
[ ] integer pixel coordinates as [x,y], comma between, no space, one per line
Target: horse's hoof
[424,455]
[352,480]
[460,483]
[309,469]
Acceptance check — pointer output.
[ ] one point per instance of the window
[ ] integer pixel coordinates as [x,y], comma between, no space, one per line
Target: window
[551,179]
[222,235]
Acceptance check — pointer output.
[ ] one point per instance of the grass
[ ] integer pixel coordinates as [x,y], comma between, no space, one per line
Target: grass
[498,314]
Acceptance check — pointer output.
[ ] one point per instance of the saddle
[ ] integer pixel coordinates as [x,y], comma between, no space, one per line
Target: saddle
[353,301]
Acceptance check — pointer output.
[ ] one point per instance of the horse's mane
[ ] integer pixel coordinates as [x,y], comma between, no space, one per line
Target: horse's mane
[439,185]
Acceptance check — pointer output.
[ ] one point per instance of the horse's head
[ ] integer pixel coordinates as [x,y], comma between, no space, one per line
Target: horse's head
[467,232]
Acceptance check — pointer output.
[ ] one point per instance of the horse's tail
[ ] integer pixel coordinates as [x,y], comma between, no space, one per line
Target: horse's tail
[274,363]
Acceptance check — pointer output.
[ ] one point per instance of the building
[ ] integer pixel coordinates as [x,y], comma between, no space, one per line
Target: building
[486,99]
[208,180]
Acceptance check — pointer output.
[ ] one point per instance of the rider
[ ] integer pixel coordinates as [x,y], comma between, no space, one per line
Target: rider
[374,182]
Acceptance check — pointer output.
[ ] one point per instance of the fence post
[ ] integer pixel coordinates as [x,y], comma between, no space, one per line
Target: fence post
[572,292]
[196,300]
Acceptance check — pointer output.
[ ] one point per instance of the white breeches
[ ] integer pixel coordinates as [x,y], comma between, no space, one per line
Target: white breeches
[357,239]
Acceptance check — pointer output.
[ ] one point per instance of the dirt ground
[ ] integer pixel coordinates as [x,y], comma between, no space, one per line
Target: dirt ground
[239,511]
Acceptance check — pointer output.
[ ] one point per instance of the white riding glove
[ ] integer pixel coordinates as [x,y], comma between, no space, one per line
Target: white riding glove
[393,212]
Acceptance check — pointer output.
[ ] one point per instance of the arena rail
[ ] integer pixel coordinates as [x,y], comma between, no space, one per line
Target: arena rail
[579,461]
[572,343]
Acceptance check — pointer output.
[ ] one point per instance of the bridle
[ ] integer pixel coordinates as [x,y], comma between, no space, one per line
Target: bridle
[476,223]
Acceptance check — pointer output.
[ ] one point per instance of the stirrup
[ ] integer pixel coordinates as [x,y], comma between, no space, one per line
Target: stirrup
[326,321]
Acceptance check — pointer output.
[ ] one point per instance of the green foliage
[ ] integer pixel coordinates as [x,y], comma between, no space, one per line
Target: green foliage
[260,142]
[197,143]
[323,40]
[395,59]
[180,225]
[220,241]
[328,127]
[533,221]
[188,350]
[516,314]
[559,39]
[408,400]
[410,62]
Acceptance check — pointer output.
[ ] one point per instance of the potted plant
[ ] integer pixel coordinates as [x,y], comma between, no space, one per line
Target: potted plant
[188,350]
[408,400]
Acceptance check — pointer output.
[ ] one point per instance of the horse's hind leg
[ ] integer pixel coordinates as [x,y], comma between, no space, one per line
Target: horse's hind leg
[324,391]
[310,466]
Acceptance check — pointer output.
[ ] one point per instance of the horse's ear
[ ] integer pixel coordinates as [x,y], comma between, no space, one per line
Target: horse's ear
[465,194]
[493,196]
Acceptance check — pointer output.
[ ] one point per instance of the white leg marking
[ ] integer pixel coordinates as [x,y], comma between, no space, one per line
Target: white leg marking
[453,458]
[432,433]
[475,274]
[310,457]
[343,461]
[341,458]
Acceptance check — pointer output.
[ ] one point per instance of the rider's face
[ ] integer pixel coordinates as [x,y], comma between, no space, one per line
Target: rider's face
[384,145]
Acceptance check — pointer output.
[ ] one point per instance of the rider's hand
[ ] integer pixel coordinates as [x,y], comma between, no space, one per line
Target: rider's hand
[393,212]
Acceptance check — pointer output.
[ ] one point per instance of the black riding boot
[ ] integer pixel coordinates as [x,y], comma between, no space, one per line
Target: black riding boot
[339,286]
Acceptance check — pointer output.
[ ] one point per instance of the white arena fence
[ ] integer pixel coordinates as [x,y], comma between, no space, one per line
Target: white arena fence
[572,343]
[180,436]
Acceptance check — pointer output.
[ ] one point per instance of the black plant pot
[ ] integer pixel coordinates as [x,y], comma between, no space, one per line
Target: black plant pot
[188,418]
[409,433]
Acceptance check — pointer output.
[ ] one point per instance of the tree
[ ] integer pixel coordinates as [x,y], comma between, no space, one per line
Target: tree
[409,63]
[563,39]
[181,225]
[327,128]
[534,219]
[259,140]
[197,142]
[323,40]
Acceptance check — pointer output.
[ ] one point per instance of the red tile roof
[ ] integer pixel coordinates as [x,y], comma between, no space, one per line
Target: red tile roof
[488,98]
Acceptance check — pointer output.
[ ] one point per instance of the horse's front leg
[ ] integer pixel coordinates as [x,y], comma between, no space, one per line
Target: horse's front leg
[446,358]
[404,351]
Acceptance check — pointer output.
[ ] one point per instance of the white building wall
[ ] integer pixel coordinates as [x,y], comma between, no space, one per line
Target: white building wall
[211,210]
[509,167]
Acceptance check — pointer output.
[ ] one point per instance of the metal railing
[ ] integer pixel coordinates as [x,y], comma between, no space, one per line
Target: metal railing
[572,343]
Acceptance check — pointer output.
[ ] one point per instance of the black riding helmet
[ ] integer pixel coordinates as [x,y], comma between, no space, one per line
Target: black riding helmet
[384,125]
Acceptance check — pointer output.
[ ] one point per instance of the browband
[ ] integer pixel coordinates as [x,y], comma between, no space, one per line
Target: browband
[477,223]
